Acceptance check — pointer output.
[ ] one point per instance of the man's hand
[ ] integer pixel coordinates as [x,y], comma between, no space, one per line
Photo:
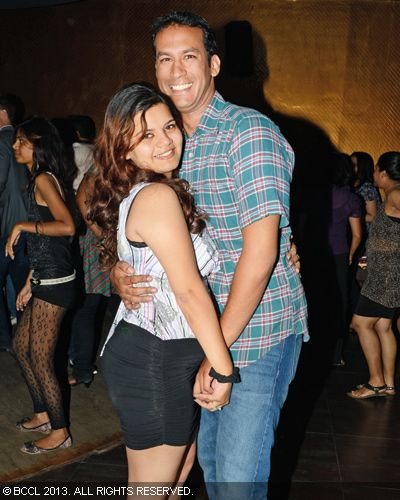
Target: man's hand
[126,282]
[293,258]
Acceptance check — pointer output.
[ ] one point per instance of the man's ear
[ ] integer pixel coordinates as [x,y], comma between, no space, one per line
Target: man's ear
[215,65]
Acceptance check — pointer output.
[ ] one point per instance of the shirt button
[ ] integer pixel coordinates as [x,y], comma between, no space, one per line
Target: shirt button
[191,154]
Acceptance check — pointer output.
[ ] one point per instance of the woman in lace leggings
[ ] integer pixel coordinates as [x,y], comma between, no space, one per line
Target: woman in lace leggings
[49,289]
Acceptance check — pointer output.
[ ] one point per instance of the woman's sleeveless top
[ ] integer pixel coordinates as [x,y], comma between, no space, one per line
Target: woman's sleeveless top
[383,259]
[49,256]
[161,317]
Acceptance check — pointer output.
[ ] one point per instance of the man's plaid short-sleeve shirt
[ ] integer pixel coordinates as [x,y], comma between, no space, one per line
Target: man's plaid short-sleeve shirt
[240,166]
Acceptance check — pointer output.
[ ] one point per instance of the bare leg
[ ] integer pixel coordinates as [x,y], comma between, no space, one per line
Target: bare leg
[371,346]
[187,464]
[389,349]
[158,466]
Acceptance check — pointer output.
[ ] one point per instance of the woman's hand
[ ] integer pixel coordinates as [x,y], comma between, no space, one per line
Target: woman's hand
[24,296]
[125,283]
[208,392]
[203,383]
[12,240]
[217,400]
[362,262]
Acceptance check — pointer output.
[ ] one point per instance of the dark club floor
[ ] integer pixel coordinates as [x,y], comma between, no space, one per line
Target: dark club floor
[328,446]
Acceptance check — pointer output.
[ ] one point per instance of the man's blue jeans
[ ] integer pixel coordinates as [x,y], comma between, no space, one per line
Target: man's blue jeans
[234,445]
[18,271]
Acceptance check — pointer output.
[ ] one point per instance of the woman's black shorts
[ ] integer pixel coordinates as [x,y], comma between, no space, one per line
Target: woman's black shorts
[370,309]
[150,382]
[62,295]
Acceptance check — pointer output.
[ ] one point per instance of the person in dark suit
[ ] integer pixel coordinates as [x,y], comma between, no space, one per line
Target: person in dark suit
[13,182]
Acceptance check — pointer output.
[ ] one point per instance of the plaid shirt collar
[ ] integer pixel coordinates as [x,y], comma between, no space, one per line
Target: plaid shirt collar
[210,118]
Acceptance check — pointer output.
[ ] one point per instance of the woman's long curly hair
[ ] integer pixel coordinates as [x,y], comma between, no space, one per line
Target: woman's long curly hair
[116,175]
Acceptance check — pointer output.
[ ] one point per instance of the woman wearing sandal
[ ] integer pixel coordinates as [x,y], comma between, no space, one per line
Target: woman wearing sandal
[50,288]
[380,294]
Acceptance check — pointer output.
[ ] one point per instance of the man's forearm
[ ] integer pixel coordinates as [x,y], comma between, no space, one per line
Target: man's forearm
[248,287]
[252,274]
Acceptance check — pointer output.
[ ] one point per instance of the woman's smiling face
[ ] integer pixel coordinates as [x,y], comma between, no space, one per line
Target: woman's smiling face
[160,141]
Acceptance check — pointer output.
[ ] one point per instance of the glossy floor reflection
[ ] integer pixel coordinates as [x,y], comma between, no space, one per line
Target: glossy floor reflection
[328,446]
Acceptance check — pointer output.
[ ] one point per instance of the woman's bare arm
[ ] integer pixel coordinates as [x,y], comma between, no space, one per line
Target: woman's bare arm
[48,194]
[370,209]
[156,217]
[356,233]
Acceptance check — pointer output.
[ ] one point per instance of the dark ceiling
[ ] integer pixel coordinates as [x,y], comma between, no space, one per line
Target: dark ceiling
[23,4]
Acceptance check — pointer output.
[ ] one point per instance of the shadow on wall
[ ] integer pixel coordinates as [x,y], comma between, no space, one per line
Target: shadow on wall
[243,83]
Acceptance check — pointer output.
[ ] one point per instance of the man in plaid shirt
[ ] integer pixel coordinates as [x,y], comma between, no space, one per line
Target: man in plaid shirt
[240,167]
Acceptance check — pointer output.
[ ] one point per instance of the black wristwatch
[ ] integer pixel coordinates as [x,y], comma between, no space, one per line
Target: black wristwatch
[234,378]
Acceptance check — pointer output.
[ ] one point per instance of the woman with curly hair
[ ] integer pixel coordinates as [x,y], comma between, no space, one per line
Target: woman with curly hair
[152,353]
[49,289]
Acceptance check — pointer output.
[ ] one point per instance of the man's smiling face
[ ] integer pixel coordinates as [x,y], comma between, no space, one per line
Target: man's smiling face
[183,70]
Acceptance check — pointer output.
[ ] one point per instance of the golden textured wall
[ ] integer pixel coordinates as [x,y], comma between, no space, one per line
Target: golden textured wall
[333,64]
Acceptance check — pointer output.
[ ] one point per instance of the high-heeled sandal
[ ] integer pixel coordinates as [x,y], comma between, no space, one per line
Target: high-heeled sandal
[33,449]
[44,428]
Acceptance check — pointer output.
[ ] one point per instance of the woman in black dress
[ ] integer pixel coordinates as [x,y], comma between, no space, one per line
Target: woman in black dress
[50,286]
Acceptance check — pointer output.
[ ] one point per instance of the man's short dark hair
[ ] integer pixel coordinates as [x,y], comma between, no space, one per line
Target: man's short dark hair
[14,107]
[84,125]
[186,18]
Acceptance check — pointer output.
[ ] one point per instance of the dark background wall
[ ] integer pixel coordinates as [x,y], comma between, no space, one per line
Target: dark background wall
[332,63]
